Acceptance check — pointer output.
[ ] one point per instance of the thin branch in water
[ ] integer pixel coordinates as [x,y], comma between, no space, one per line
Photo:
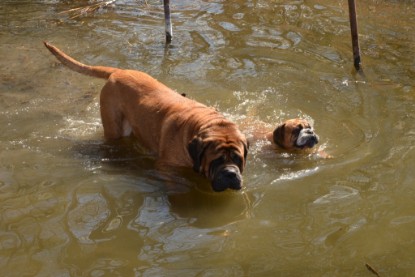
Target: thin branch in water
[371,269]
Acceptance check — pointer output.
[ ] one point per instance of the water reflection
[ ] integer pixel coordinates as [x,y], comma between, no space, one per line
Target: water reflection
[205,210]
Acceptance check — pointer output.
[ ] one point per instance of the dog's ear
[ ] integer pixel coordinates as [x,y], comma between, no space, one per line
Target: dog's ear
[196,150]
[278,135]
[246,147]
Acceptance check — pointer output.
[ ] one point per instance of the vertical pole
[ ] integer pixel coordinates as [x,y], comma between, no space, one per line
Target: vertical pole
[355,36]
[169,28]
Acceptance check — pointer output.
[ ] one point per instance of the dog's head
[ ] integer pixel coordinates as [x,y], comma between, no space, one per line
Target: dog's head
[295,134]
[220,155]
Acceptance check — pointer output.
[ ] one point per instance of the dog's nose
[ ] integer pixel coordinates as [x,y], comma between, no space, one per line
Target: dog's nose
[230,173]
[232,176]
[313,140]
[228,177]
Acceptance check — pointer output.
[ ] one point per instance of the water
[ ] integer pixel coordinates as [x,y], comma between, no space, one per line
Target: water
[73,205]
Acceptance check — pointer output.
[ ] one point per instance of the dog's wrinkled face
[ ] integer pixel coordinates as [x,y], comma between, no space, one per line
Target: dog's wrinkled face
[221,160]
[295,134]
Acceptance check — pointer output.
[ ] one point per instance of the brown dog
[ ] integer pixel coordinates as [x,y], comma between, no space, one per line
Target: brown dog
[180,131]
[293,134]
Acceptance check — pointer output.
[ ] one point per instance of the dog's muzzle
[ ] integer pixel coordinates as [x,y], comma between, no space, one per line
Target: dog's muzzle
[307,138]
[226,176]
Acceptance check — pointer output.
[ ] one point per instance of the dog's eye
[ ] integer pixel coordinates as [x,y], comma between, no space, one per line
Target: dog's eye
[297,130]
[219,161]
[236,159]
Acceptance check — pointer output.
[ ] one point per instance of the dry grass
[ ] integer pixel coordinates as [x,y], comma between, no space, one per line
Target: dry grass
[80,11]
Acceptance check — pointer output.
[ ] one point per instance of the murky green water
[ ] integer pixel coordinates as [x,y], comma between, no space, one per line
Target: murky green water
[72,205]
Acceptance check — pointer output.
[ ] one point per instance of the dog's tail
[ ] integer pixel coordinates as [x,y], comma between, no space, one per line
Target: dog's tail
[95,71]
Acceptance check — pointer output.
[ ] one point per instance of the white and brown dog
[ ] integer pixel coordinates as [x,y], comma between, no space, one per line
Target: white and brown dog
[292,134]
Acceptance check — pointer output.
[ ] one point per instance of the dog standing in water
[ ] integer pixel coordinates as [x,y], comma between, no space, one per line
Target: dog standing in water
[180,131]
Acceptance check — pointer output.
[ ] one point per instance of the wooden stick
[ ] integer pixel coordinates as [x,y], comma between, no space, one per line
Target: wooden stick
[169,28]
[355,36]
